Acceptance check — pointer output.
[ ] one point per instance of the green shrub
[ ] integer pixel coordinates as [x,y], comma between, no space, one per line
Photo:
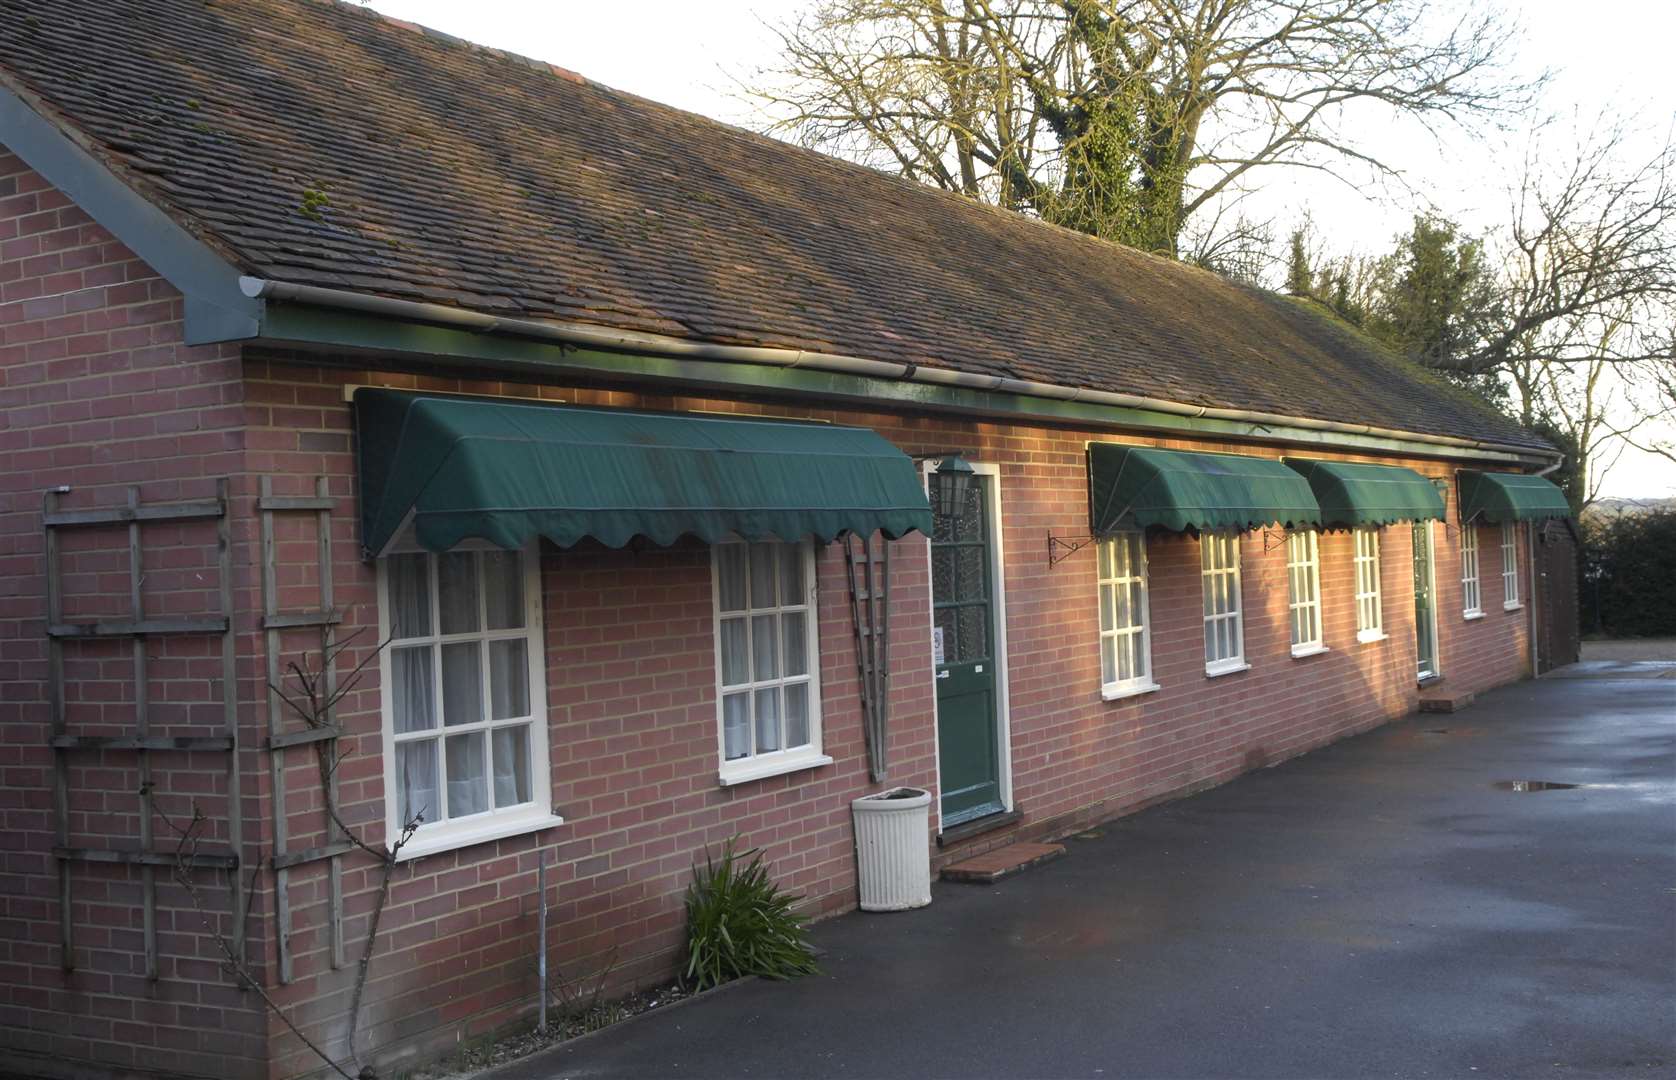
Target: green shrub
[740,923]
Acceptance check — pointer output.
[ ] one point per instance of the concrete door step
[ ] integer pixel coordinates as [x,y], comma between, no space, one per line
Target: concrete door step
[992,866]
[1444,702]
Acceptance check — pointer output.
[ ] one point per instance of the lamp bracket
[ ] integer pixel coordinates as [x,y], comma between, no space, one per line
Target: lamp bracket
[1273,538]
[1061,548]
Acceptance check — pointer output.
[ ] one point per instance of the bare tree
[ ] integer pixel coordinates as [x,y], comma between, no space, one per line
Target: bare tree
[1588,263]
[1124,118]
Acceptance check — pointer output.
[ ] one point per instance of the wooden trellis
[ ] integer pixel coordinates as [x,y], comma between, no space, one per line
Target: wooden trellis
[870,610]
[322,739]
[139,629]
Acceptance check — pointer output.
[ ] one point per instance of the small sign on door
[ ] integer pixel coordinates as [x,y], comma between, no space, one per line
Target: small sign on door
[936,644]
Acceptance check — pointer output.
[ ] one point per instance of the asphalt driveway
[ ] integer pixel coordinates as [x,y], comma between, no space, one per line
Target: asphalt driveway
[1376,908]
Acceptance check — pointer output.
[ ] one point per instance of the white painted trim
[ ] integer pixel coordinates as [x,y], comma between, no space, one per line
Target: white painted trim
[1368,637]
[1139,684]
[1471,616]
[1227,667]
[998,614]
[491,824]
[1118,693]
[767,765]
[775,762]
[1513,606]
[1431,576]
[1301,651]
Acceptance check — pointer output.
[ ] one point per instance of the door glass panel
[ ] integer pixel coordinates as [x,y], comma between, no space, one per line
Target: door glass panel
[969,566]
[974,632]
[951,635]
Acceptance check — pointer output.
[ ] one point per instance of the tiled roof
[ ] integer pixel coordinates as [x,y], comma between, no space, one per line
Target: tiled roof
[320,143]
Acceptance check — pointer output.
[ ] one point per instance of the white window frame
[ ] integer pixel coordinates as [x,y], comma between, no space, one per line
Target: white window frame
[1141,614]
[1510,567]
[493,823]
[1211,567]
[774,762]
[1472,588]
[1303,564]
[1369,600]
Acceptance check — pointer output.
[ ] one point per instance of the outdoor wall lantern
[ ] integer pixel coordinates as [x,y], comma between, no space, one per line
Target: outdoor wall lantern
[950,482]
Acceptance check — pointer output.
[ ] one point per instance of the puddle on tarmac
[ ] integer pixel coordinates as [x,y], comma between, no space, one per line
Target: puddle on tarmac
[1531,785]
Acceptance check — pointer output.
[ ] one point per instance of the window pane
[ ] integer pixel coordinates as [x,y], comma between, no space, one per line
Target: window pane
[468,778]
[456,582]
[462,687]
[765,648]
[942,573]
[1108,659]
[762,575]
[792,592]
[509,679]
[768,719]
[412,698]
[512,765]
[1106,549]
[797,714]
[792,628]
[1121,616]
[1125,660]
[974,632]
[416,781]
[730,576]
[736,725]
[969,566]
[1137,602]
[410,595]
[1210,642]
[1107,604]
[1137,645]
[735,664]
[503,589]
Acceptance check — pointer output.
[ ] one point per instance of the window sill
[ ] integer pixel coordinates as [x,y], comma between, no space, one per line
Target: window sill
[744,774]
[1368,637]
[1514,606]
[1118,693]
[495,828]
[1212,671]
[1471,615]
[1301,651]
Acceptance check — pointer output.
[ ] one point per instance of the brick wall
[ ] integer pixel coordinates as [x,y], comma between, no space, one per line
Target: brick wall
[99,393]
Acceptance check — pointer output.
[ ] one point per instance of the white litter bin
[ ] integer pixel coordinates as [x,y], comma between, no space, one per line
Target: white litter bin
[893,849]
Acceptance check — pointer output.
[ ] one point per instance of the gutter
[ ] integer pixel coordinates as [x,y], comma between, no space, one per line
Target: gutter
[597,337]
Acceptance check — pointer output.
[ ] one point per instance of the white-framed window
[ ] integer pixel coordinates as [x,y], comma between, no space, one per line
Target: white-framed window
[768,700]
[1370,619]
[1472,598]
[464,701]
[1509,565]
[1219,572]
[1125,618]
[1303,589]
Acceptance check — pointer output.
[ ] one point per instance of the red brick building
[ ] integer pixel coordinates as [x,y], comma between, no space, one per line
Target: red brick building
[313,322]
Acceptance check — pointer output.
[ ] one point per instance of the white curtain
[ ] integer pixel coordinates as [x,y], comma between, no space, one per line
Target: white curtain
[417,777]
[512,765]
[467,778]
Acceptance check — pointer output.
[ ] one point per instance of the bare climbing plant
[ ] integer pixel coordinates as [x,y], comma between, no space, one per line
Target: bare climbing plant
[313,695]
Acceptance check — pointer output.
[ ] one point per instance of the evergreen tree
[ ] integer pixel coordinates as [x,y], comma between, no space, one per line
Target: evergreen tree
[1300,281]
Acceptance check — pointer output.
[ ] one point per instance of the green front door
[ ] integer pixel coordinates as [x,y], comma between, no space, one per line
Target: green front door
[1425,620]
[964,653]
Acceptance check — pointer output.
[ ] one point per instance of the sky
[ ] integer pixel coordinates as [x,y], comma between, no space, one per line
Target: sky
[691,53]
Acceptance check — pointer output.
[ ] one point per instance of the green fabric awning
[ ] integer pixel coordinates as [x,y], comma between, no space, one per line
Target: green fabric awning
[1495,497]
[1177,489]
[504,471]
[1353,493]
